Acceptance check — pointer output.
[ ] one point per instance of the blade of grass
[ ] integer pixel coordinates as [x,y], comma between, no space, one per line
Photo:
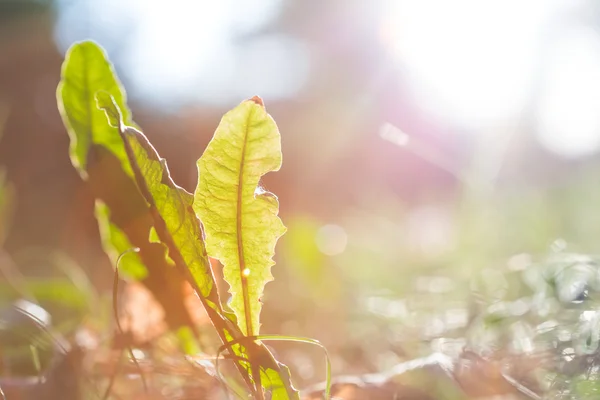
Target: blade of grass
[115,301]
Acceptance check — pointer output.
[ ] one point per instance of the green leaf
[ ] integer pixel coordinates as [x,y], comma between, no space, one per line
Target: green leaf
[115,242]
[174,221]
[86,70]
[240,218]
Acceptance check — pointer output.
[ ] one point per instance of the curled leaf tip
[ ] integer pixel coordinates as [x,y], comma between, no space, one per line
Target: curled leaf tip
[106,102]
[258,101]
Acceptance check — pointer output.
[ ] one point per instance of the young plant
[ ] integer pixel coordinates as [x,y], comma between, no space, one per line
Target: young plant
[139,206]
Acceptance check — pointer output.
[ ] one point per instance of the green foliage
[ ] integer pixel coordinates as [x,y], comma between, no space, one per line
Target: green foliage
[140,206]
[56,291]
[175,223]
[98,153]
[240,219]
[86,72]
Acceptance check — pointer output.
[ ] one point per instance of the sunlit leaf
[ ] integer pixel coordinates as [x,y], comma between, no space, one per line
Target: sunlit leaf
[175,223]
[86,70]
[240,218]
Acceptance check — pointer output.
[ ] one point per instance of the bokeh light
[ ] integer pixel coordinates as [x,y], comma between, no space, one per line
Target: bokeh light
[568,114]
[331,239]
[186,52]
[470,61]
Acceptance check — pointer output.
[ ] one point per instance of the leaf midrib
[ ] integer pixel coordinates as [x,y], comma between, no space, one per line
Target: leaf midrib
[240,239]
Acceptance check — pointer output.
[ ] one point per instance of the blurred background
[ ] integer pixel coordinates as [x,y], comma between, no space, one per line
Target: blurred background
[434,151]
